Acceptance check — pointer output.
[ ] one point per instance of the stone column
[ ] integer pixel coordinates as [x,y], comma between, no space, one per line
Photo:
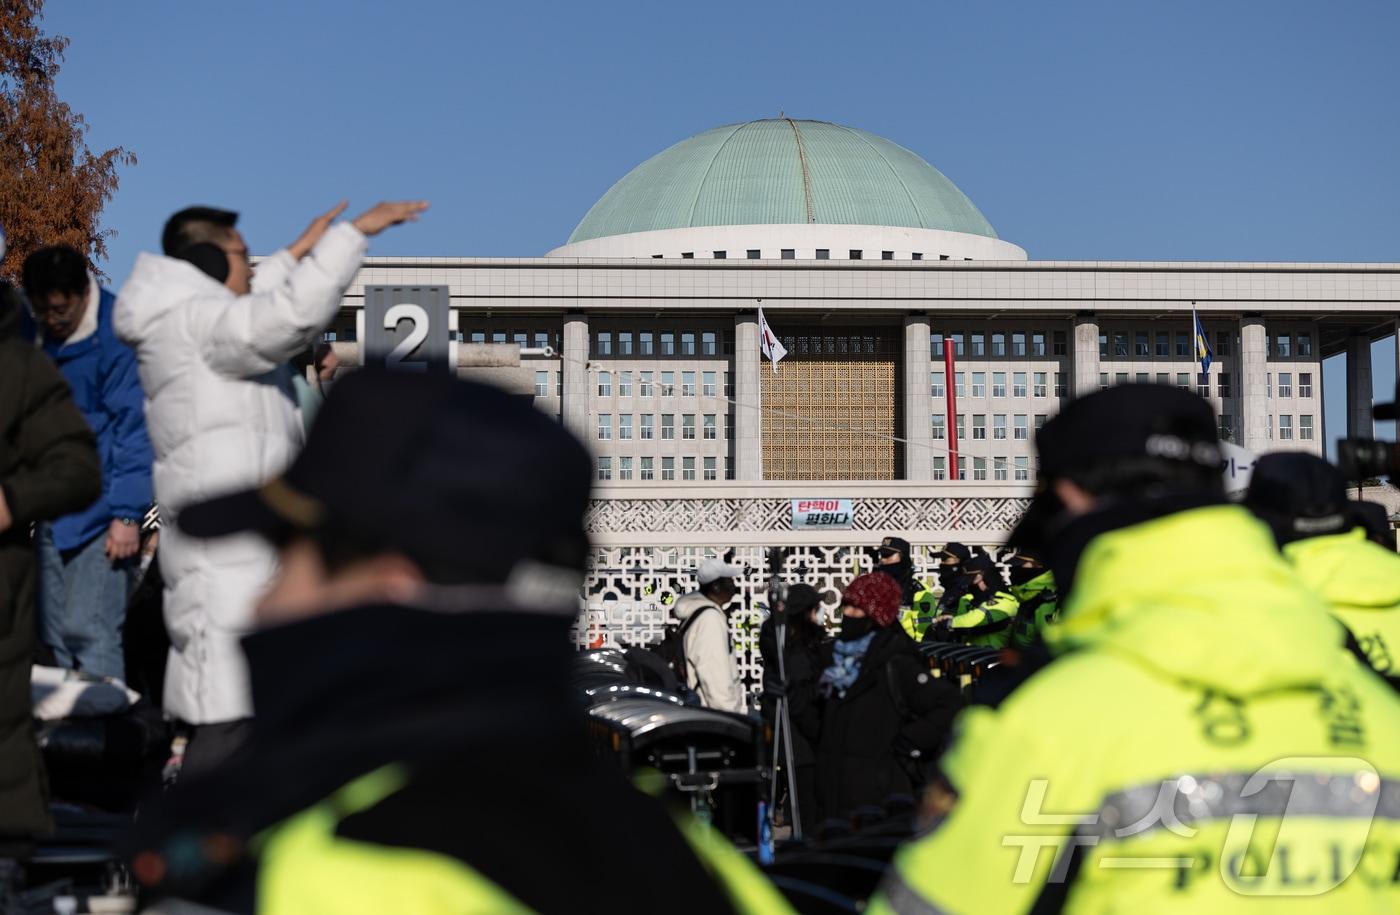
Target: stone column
[918,399]
[1254,404]
[574,398]
[1086,354]
[748,400]
[1360,423]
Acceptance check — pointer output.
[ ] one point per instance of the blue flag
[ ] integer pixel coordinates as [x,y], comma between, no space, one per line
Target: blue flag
[1204,354]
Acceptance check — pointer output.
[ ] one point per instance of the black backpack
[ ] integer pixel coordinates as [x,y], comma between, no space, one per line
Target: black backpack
[664,666]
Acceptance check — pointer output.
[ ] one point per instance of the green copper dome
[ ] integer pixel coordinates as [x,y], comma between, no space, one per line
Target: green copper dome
[782,171]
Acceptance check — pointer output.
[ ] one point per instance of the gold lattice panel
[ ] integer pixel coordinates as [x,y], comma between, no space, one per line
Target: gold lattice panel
[832,410]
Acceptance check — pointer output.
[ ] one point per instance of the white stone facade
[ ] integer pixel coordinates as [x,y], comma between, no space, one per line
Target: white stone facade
[1033,334]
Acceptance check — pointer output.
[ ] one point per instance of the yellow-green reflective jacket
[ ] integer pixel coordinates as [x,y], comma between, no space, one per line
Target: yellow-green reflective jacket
[1200,690]
[1039,608]
[987,625]
[305,868]
[1360,581]
[917,618]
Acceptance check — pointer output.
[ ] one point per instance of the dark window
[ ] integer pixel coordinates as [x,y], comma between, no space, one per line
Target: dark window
[753,254]
[886,255]
[1140,343]
[1061,344]
[655,256]
[1183,344]
[855,254]
[789,254]
[1163,344]
[687,254]
[943,257]
[720,255]
[823,254]
[918,256]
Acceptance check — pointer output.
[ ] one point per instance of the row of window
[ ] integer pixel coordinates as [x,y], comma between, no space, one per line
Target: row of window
[647,386]
[646,468]
[1019,425]
[539,339]
[1023,343]
[1285,428]
[1039,388]
[1223,382]
[664,343]
[1160,344]
[1285,425]
[1016,468]
[823,254]
[646,426]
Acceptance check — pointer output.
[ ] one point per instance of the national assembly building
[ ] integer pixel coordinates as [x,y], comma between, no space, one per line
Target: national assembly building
[641,333]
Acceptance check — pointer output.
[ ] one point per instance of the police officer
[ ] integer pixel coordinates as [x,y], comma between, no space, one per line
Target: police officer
[895,558]
[1198,694]
[416,747]
[985,614]
[1033,586]
[1304,501]
[952,576]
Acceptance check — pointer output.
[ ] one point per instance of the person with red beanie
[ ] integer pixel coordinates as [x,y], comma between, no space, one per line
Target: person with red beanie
[882,715]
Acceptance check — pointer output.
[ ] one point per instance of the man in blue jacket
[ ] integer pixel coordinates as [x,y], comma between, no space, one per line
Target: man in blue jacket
[87,558]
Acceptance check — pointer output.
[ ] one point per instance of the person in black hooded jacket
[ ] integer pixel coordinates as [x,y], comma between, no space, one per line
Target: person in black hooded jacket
[802,641]
[882,715]
[48,467]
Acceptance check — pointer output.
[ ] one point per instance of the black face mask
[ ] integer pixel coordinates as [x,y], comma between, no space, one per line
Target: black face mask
[948,574]
[853,628]
[1022,574]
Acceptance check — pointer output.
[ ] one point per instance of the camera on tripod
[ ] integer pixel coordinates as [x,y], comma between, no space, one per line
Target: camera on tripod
[1366,458]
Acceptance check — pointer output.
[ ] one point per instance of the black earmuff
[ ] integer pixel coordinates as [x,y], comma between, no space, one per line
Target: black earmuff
[209,258]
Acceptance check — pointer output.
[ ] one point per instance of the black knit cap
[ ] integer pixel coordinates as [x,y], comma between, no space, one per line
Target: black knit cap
[452,473]
[1299,496]
[1120,423]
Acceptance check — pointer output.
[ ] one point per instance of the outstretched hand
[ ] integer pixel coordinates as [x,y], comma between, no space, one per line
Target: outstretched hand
[303,245]
[383,215]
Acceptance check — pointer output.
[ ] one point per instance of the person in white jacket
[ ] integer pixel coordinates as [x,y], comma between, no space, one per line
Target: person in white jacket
[710,668]
[212,341]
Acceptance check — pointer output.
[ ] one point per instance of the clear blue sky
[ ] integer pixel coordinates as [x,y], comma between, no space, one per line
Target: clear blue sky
[1190,130]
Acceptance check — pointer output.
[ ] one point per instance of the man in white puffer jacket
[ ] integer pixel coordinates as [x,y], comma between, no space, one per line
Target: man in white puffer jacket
[212,342]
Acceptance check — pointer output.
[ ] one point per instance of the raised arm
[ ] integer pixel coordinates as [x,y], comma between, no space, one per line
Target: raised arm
[298,297]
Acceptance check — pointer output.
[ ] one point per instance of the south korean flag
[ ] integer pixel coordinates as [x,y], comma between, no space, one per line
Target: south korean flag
[769,343]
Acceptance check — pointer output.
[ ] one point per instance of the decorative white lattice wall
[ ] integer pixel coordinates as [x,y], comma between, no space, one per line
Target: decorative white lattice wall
[630,592]
[980,516]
